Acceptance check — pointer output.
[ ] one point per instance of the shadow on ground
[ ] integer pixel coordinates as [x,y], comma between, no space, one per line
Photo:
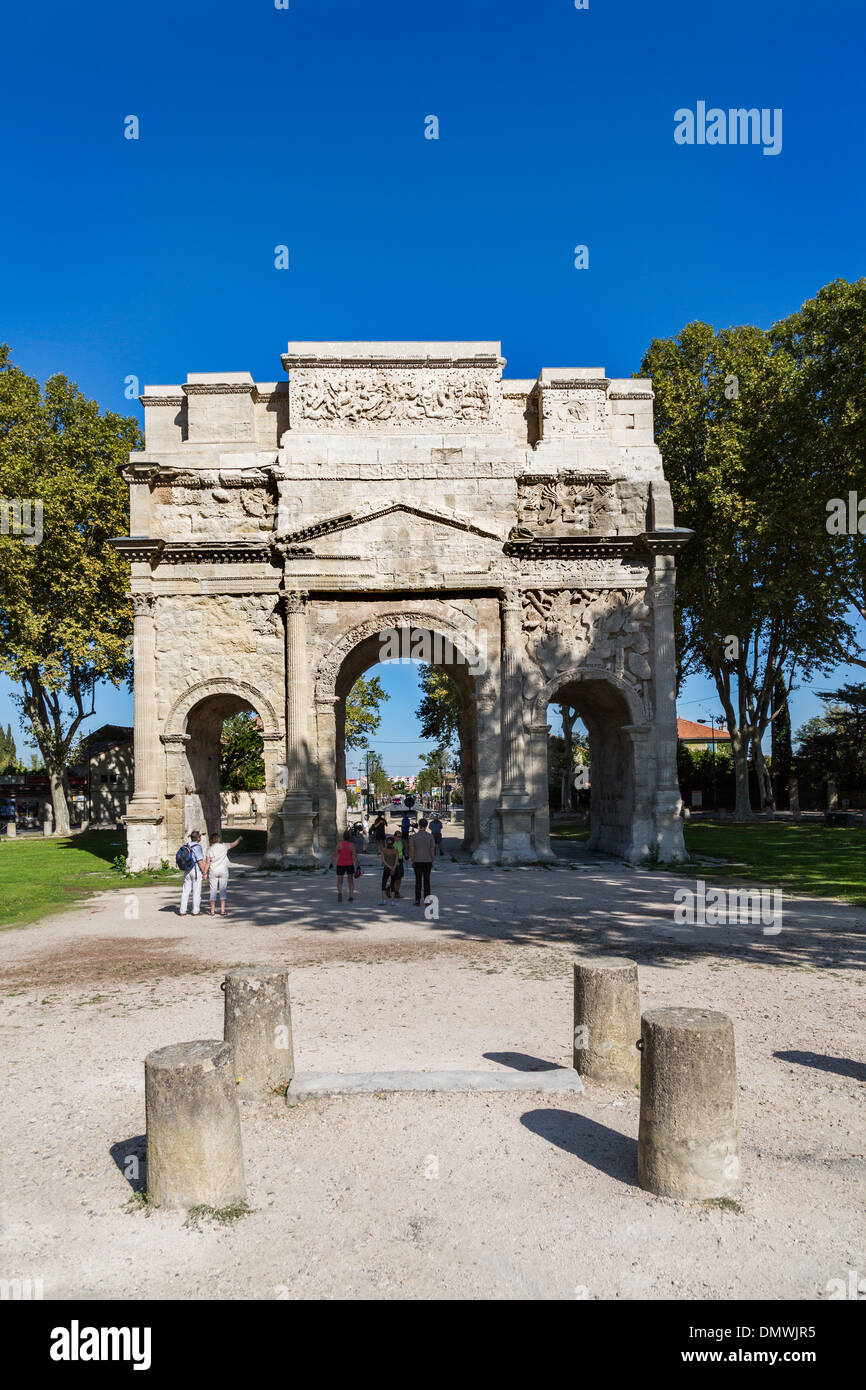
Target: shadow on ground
[601,1147]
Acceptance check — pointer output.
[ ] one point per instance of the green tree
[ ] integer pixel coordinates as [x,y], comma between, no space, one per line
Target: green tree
[833,744]
[377,777]
[362,710]
[8,751]
[242,760]
[756,604]
[65,618]
[826,343]
[439,710]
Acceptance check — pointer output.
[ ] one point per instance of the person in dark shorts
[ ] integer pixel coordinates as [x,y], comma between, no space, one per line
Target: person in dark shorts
[347,862]
[390,860]
[421,849]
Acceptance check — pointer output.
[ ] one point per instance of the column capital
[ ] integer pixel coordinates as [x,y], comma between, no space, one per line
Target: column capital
[510,599]
[142,605]
[294,600]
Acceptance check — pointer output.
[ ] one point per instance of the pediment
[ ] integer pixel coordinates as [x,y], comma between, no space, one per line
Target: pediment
[378,521]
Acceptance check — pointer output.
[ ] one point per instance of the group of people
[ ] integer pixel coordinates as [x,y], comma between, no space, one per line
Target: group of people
[197,865]
[397,852]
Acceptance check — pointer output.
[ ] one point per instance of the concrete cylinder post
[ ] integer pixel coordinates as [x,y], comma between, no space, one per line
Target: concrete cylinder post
[194,1152]
[606,1020]
[258,1024]
[688,1142]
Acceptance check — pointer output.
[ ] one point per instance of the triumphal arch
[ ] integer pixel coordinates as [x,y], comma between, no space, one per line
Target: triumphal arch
[285,534]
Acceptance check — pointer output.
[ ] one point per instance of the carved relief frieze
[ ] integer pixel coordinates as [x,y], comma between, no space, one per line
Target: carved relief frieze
[573,410]
[565,505]
[610,629]
[379,400]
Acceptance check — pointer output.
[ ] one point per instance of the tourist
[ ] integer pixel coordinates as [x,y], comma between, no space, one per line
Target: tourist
[194,875]
[217,865]
[390,860]
[402,847]
[365,827]
[347,863]
[421,848]
[380,830]
[436,832]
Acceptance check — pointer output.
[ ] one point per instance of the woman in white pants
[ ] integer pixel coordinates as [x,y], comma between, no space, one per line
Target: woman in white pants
[217,865]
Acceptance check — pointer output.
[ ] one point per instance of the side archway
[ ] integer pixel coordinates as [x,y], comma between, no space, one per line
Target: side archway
[614,713]
[191,740]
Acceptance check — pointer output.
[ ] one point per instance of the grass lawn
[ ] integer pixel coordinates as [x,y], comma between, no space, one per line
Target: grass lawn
[812,858]
[40,876]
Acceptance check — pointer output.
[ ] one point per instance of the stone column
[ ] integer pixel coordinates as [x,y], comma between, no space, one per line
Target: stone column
[607,1020]
[668,824]
[297,809]
[326,760]
[515,806]
[144,814]
[273,754]
[643,764]
[194,1151]
[540,734]
[258,1024]
[688,1140]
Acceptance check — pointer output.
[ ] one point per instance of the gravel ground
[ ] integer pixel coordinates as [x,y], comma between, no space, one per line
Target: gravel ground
[430,1196]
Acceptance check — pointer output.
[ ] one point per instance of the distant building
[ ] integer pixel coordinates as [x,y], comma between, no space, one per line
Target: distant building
[109,754]
[700,736]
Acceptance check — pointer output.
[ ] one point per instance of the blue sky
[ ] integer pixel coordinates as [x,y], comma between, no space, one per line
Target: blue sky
[305,127]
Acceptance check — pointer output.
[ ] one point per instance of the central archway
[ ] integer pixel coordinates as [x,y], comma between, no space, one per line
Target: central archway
[446,647]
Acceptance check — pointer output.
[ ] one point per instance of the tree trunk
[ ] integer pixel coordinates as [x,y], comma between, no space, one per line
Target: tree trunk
[56,781]
[740,751]
[566,792]
[765,786]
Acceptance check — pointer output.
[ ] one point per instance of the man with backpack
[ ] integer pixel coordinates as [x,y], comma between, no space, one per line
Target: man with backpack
[189,860]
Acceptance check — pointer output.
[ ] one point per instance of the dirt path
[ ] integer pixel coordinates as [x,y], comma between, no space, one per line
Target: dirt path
[504,1196]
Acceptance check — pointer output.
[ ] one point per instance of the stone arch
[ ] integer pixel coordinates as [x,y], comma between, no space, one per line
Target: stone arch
[336,674]
[574,676]
[621,752]
[221,685]
[331,664]
[191,742]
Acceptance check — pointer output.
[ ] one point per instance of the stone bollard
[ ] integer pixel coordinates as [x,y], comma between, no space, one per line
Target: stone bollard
[11,830]
[688,1142]
[194,1152]
[258,1024]
[606,1019]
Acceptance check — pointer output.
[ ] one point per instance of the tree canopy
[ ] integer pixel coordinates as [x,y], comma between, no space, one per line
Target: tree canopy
[756,438]
[363,715]
[65,616]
